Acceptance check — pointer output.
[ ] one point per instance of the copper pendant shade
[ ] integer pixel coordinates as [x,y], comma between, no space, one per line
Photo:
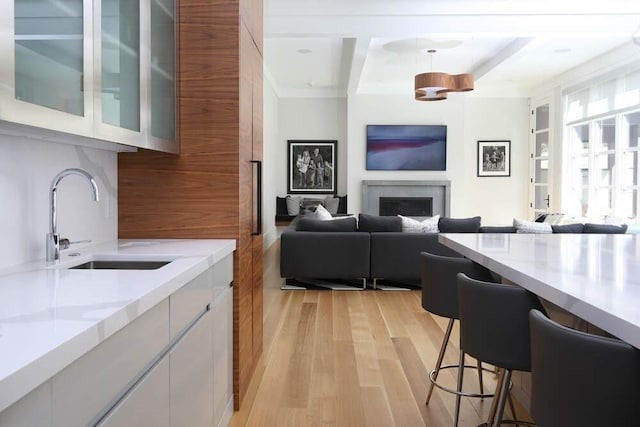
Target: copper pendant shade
[435,86]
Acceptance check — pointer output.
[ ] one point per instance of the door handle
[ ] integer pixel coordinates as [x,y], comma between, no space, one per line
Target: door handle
[258,230]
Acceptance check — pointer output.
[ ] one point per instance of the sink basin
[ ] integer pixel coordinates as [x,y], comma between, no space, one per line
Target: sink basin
[119,265]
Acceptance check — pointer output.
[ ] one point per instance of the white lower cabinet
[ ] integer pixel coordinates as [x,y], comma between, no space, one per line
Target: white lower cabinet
[85,389]
[33,410]
[147,404]
[191,376]
[222,321]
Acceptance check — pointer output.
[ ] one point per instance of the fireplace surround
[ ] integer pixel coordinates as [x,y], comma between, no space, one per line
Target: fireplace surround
[437,191]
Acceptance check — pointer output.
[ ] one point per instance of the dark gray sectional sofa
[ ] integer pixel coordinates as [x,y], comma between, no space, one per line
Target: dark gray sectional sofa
[373,249]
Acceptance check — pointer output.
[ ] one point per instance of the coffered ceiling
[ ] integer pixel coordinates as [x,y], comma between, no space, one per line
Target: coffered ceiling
[334,47]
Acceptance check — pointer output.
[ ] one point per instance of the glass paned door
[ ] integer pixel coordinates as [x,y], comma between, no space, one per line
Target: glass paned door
[540,158]
[49,54]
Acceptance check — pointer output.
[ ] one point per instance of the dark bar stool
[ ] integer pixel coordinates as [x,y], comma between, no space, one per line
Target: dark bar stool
[440,297]
[494,328]
[579,379]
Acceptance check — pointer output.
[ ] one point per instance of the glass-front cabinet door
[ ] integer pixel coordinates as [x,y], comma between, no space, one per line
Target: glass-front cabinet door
[46,77]
[163,86]
[118,65]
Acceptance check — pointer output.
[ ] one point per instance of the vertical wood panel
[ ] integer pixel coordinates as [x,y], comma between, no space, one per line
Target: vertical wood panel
[207,191]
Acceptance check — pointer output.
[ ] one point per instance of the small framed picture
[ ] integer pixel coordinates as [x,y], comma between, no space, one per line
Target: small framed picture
[494,158]
[311,167]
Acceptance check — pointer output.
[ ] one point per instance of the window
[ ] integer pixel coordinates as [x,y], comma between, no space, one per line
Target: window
[602,139]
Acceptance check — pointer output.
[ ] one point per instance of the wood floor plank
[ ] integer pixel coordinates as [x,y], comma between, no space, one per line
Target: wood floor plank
[378,327]
[322,403]
[323,356]
[403,406]
[378,412]
[349,403]
[298,378]
[341,320]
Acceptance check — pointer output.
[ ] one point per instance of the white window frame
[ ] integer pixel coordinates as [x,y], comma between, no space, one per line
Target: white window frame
[617,188]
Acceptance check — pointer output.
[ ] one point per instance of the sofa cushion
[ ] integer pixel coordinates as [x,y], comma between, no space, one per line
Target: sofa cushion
[332,203]
[604,229]
[375,223]
[523,226]
[429,225]
[459,225]
[497,229]
[337,225]
[293,205]
[568,228]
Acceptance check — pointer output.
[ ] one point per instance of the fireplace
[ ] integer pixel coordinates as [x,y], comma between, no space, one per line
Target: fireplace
[407,206]
[437,192]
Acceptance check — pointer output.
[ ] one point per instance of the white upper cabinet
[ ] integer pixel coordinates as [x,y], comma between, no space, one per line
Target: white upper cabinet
[102,69]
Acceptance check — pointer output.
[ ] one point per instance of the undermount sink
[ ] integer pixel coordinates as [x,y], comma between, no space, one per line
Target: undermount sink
[120,265]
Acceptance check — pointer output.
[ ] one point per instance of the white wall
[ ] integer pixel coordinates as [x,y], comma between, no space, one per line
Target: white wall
[497,199]
[468,120]
[26,170]
[312,118]
[271,167]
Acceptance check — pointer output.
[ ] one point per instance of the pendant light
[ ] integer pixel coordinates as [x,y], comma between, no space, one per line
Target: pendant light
[435,86]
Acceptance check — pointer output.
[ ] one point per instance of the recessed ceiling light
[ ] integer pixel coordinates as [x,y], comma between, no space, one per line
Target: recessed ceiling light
[562,50]
[304,51]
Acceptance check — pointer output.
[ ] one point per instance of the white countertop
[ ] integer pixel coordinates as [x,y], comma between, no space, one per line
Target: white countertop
[594,276]
[51,316]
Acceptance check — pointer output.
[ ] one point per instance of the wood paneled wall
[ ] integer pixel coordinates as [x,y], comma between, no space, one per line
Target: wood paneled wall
[207,190]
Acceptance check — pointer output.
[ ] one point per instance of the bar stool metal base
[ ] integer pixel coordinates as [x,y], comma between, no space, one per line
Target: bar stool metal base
[503,393]
[433,380]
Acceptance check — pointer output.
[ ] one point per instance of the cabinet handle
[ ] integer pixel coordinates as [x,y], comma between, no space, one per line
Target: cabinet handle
[258,230]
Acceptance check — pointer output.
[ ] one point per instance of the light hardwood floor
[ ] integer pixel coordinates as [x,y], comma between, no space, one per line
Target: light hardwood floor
[351,358]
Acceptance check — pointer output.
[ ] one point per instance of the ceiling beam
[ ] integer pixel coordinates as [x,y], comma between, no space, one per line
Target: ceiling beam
[507,52]
[346,62]
[360,50]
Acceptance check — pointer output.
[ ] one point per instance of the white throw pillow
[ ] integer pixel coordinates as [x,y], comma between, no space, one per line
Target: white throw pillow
[523,226]
[332,203]
[293,205]
[322,214]
[429,225]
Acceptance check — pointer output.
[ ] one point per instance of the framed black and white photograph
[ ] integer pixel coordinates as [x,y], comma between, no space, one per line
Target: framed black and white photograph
[311,167]
[494,158]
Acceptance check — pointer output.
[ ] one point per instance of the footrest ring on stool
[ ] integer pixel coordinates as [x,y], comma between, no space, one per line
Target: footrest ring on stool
[461,393]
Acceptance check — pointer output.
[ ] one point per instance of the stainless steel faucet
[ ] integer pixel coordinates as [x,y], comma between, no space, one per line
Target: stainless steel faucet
[53,238]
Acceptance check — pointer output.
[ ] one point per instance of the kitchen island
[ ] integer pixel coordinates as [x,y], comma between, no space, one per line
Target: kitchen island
[93,346]
[595,277]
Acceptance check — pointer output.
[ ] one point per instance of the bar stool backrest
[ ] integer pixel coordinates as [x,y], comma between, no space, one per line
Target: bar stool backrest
[439,285]
[579,379]
[494,322]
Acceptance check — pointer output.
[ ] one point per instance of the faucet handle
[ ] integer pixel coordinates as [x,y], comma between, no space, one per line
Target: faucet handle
[65,243]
